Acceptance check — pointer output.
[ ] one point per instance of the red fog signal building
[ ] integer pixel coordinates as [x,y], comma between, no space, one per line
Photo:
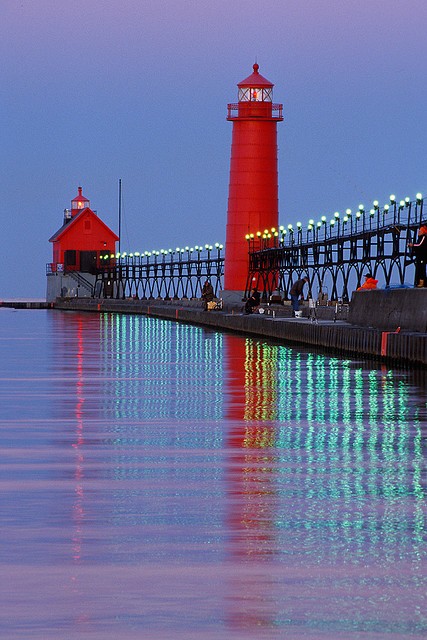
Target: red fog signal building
[83,244]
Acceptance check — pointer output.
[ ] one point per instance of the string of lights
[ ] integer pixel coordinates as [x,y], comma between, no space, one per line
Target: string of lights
[391,213]
[179,253]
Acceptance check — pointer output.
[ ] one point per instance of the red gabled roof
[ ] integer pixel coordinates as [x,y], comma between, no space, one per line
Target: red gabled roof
[255,79]
[65,227]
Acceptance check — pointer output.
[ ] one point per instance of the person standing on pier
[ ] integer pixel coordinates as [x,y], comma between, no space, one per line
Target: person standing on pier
[253,302]
[207,293]
[296,294]
[420,254]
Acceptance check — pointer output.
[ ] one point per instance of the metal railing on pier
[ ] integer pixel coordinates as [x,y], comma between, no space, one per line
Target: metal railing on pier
[335,254]
[166,275]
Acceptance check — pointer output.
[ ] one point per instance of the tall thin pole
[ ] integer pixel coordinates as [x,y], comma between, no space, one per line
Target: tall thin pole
[120,211]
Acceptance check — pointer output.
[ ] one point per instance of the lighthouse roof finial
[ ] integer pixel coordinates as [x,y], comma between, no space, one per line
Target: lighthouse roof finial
[255,79]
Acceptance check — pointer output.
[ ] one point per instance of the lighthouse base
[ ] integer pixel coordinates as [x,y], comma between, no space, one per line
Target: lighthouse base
[69,285]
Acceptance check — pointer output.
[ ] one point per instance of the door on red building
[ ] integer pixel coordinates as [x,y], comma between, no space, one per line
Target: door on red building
[88,261]
[70,258]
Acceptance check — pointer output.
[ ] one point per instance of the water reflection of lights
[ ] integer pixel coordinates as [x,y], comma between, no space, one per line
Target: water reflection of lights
[325,473]
[337,445]
[285,499]
[78,510]
[161,369]
[321,446]
[317,461]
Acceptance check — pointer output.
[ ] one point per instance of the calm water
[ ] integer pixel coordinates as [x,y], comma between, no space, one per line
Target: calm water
[163,481]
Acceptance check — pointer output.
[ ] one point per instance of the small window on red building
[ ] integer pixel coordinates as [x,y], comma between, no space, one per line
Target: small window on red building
[87,226]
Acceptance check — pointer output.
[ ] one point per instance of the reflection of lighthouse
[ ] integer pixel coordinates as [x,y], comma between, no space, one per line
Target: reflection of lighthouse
[253,189]
[251,477]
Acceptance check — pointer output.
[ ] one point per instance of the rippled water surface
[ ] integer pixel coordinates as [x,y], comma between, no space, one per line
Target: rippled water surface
[161,481]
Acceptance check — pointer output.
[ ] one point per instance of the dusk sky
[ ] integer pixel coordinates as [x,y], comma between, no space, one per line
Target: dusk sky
[96,91]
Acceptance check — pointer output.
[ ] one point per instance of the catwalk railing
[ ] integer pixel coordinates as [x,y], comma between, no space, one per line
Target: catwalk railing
[336,254]
[166,275]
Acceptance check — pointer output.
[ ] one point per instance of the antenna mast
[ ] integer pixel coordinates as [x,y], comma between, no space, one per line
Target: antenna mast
[120,211]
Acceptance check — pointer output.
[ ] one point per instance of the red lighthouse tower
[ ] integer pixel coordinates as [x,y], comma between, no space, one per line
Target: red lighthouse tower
[253,203]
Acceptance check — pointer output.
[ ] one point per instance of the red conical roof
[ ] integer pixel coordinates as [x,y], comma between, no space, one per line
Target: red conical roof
[255,79]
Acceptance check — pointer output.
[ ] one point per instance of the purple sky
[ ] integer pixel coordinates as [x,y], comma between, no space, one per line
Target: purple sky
[96,90]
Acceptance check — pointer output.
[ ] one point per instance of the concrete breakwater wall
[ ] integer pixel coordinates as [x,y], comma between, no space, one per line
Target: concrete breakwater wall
[388,309]
[340,337]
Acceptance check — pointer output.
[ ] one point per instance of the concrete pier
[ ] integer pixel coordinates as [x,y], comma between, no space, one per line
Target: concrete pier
[26,304]
[388,325]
